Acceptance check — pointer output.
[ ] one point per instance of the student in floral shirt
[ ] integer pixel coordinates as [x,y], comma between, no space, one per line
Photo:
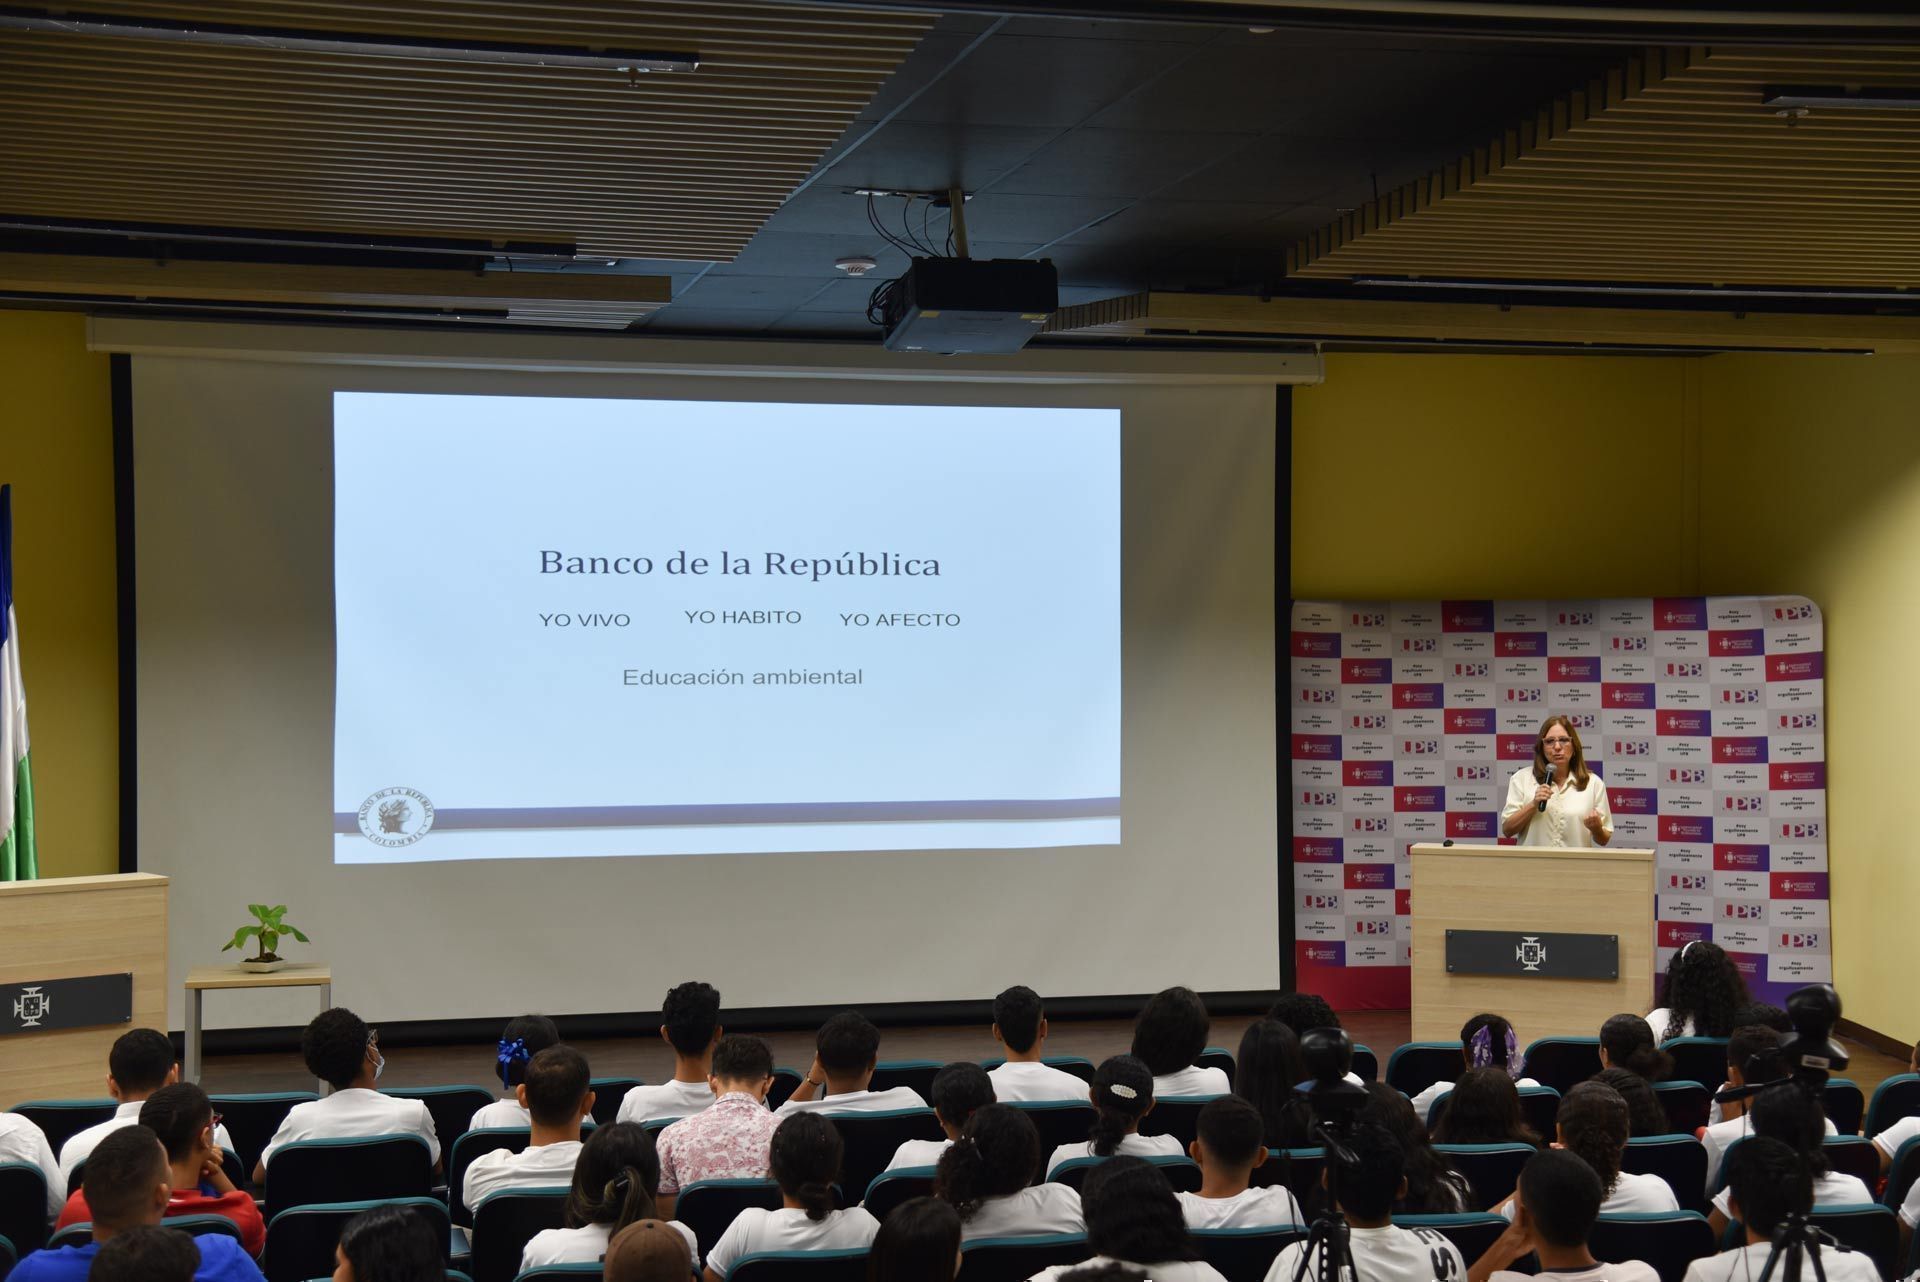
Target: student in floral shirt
[729,1140]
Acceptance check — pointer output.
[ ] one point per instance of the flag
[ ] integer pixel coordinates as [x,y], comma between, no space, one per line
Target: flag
[18,861]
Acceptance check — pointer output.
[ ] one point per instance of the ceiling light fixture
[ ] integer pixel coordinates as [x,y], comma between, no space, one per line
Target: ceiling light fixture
[1783,98]
[303,40]
[856,267]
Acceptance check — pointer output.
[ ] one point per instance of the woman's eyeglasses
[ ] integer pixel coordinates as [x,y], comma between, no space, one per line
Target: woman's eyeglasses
[1553,743]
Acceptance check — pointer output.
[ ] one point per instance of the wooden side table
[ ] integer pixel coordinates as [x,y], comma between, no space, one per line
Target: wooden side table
[202,978]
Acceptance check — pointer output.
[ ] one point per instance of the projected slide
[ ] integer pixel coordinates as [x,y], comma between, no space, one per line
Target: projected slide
[572,627]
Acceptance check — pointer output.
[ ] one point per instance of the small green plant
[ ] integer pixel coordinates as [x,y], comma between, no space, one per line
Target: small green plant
[266,930]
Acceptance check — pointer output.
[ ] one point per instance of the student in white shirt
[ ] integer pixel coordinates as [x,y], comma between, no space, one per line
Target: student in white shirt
[1770,1182]
[1626,1041]
[342,1051]
[1486,1041]
[616,1182]
[22,1141]
[140,1063]
[1121,1094]
[805,1160]
[1168,1036]
[1304,1012]
[1783,1112]
[1266,1072]
[558,1095]
[1382,1251]
[1230,1146]
[1592,1125]
[1134,1220]
[1753,1055]
[1889,1140]
[692,1029]
[1554,1209]
[1432,1185]
[846,1049]
[987,1176]
[919,1242]
[959,1089]
[524,1037]
[1020,1026]
[1700,996]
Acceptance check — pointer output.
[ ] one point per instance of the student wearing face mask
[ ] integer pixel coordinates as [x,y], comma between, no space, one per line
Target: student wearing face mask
[343,1052]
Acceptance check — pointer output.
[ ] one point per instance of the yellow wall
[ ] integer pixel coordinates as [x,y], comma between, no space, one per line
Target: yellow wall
[56,450]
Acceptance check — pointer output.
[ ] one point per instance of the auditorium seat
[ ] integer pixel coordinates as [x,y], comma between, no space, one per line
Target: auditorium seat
[608,1092]
[1680,1160]
[1078,1066]
[1492,1169]
[1538,1104]
[376,1167]
[1687,1104]
[1366,1064]
[1059,1121]
[192,1225]
[871,1140]
[1417,1065]
[300,1240]
[1901,1175]
[1846,1105]
[251,1120]
[657,1125]
[918,1074]
[505,1222]
[1297,1168]
[845,1265]
[473,1144]
[8,1258]
[890,1188]
[1853,1155]
[1472,1233]
[61,1119]
[1217,1057]
[23,1206]
[562,1273]
[1016,1259]
[1245,1255]
[1667,1240]
[1181,1172]
[1870,1228]
[1893,1099]
[709,1206]
[1175,1115]
[1563,1062]
[1698,1059]
[785,1082]
[452,1107]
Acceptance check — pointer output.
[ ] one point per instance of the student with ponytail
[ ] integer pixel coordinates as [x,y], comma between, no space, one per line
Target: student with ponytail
[987,1176]
[614,1185]
[1122,1094]
[1626,1041]
[524,1037]
[805,1158]
[1592,1125]
[959,1090]
[1645,1114]
[1487,1041]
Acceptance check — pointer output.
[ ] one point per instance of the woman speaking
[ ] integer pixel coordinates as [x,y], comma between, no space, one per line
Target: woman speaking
[1556,801]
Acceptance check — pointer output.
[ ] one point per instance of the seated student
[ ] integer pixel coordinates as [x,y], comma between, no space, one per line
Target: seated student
[1382,1251]
[1645,1114]
[23,1141]
[958,1090]
[1266,1071]
[1765,1015]
[146,1253]
[1484,1108]
[1020,1026]
[1553,1212]
[729,1139]
[1122,1094]
[1230,1146]
[987,1176]
[558,1094]
[140,1063]
[1753,1056]
[126,1184]
[805,1157]
[691,1013]
[1592,1125]
[1304,1012]
[1702,991]
[1168,1036]
[919,1242]
[1488,1041]
[614,1184]
[1782,1112]
[1768,1183]
[1889,1140]
[343,1052]
[389,1244]
[182,1116]
[524,1037]
[845,1052]
[1626,1041]
[1433,1187]
[1133,1219]
[647,1251]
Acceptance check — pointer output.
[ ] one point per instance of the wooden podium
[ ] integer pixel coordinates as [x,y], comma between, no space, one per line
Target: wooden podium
[82,960]
[1554,939]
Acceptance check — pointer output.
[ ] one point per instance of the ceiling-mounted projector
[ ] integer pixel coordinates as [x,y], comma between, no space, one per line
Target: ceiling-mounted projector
[951,306]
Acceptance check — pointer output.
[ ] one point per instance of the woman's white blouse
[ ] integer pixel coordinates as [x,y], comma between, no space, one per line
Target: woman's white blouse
[1565,820]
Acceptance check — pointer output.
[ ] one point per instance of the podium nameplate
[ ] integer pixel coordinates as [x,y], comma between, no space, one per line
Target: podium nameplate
[66,1003]
[1547,955]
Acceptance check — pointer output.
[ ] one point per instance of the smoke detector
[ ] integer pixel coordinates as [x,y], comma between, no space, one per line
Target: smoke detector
[856,267]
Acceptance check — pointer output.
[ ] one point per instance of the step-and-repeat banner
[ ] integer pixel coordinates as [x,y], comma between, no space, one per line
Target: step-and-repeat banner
[1703,714]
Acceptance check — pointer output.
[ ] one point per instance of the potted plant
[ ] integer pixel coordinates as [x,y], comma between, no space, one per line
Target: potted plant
[269,925]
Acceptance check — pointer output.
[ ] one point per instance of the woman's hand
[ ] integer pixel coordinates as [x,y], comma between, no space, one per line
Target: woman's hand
[1543,794]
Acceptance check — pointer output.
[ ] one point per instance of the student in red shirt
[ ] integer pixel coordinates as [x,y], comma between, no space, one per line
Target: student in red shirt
[183,1118]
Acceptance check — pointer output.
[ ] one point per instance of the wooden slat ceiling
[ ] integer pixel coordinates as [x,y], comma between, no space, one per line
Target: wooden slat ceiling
[667,166]
[1669,169]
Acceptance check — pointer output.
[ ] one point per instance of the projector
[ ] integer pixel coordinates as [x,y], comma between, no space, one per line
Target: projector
[955,305]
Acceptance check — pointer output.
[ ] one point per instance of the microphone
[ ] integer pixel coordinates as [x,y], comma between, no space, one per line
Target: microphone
[1543,805]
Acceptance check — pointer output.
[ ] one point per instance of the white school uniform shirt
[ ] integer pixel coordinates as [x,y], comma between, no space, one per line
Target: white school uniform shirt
[1657,1020]
[854,1102]
[675,1099]
[80,1145]
[1564,822]
[354,1113]
[1631,1192]
[22,1141]
[1831,1189]
[1744,1265]
[1625,1271]
[1890,1140]
[1165,1271]
[1129,1146]
[505,1113]
[1389,1254]
[1192,1080]
[586,1245]
[545,1166]
[918,1153]
[1720,1137]
[1021,1082]
[1247,1209]
[1423,1102]
[1040,1211]
[757,1229]
[1910,1209]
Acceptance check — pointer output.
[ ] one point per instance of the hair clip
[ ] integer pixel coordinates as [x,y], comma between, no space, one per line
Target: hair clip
[1689,944]
[1123,1091]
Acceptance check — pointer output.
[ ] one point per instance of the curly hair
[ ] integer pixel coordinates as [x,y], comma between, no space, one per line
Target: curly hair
[1705,986]
[1593,1125]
